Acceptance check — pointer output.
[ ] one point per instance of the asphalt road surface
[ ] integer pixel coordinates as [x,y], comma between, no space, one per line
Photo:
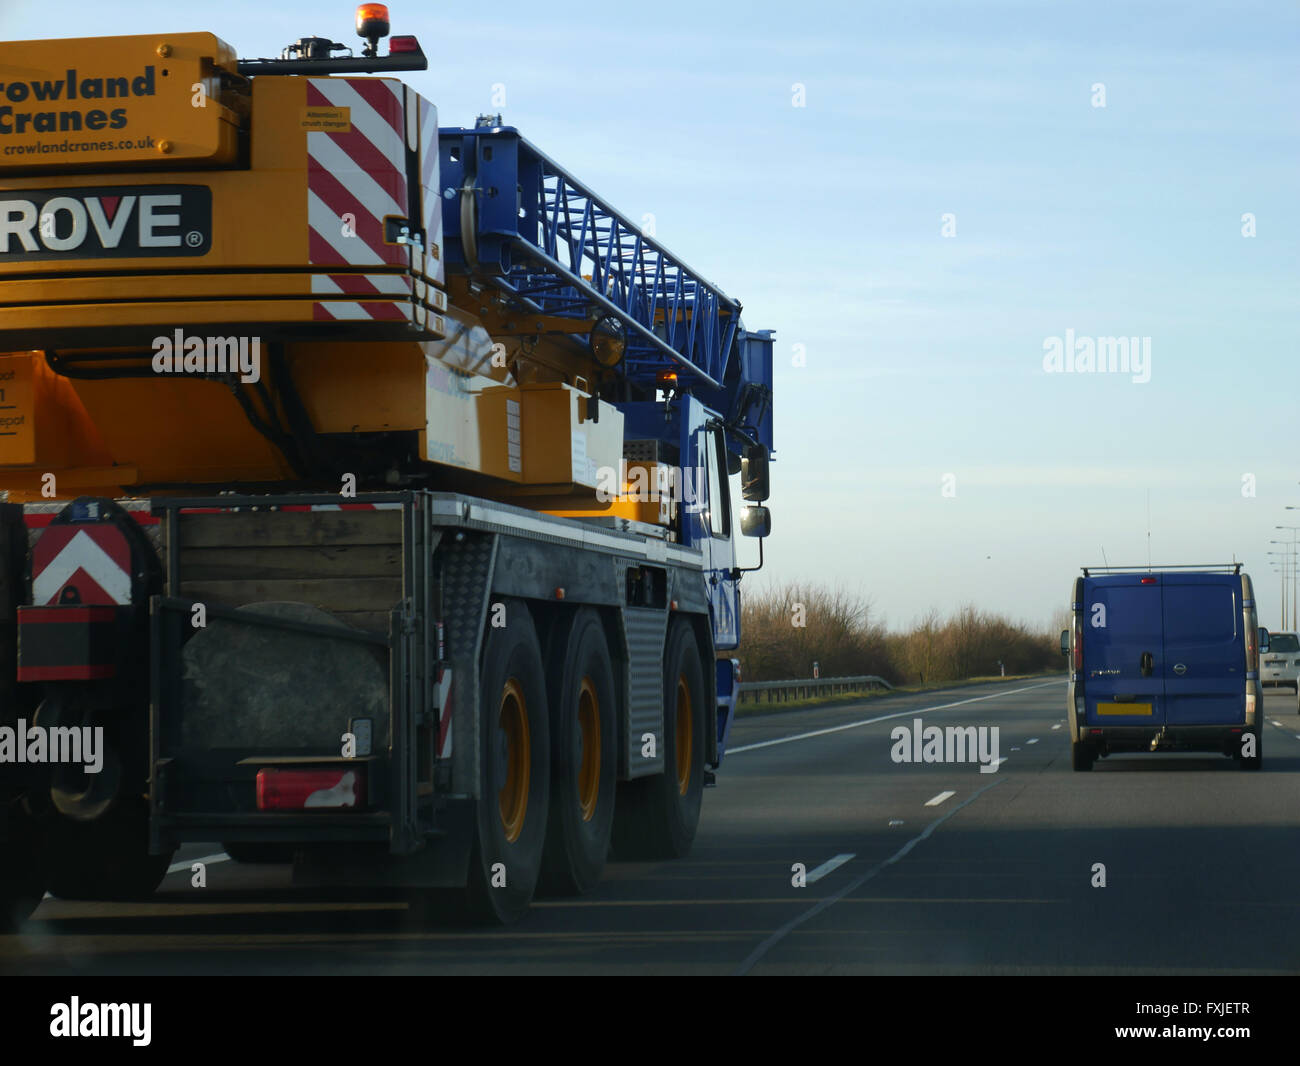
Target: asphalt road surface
[909,868]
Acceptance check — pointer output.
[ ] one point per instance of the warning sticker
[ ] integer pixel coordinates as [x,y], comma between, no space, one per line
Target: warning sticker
[17,436]
[327,119]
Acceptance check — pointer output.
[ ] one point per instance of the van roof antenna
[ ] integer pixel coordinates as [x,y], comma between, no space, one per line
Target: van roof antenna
[1105,561]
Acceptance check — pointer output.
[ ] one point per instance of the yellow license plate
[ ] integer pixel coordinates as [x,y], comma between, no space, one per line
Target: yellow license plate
[1135,709]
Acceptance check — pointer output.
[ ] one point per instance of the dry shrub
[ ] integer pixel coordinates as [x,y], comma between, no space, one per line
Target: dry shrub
[786,628]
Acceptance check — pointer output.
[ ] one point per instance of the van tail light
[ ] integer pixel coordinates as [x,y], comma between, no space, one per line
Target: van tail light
[1078,642]
[1252,645]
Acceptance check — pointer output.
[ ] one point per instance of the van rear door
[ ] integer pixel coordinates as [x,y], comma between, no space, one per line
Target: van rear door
[1204,668]
[1122,645]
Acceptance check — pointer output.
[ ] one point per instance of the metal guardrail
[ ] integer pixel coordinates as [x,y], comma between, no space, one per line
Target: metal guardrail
[786,691]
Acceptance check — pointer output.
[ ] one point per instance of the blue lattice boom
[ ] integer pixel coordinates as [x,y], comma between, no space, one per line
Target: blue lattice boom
[559,249]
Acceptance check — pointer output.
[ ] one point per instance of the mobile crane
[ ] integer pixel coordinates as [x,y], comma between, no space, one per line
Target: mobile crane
[367,485]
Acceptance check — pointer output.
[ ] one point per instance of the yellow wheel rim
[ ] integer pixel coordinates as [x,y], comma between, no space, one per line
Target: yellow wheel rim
[589,767]
[685,734]
[512,720]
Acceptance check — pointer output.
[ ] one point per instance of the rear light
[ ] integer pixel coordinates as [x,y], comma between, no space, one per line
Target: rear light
[397,45]
[1252,646]
[1148,581]
[298,790]
[1078,642]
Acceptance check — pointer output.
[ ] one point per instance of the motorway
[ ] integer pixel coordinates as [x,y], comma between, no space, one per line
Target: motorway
[922,868]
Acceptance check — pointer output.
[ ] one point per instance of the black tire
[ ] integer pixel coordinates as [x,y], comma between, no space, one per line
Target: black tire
[1257,760]
[22,881]
[584,764]
[107,859]
[1082,755]
[514,772]
[257,852]
[657,816]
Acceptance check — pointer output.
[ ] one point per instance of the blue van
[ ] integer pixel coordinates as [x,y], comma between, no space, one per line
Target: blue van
[1164,660]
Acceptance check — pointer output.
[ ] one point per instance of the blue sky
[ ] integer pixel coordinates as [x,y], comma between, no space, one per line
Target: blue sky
[924,353]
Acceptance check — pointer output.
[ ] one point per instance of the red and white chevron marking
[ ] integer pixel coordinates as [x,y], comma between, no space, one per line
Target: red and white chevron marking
[361,173]
[364,285]
[444,712]
[91,562]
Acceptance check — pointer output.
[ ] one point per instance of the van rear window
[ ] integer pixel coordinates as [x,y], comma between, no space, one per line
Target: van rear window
[1200,614]
[1283,642]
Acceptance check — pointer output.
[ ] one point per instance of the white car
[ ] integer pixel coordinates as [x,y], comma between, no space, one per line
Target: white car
[1280,665]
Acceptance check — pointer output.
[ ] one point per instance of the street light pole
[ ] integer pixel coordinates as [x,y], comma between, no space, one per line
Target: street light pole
[1281,572]
[1288,572]
[1293,530]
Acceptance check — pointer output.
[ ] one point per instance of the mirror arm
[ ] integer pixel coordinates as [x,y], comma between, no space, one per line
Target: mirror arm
[738,431]
[736,571]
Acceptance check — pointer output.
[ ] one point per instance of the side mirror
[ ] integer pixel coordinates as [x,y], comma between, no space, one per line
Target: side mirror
[1065,642]
[1263,639]
[754,484]
[756,521]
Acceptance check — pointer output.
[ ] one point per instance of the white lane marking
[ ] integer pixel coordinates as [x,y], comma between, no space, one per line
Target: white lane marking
[827,867]
[935,801]
[999,762]
[853,886]
[1032,740]
[1057,726]
[883,718]
[177,867]
[895,821]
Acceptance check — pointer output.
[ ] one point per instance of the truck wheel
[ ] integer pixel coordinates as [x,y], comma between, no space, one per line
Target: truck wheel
[583,767]
[514,772]
[22,884]
[658,815]
[1082,755]
[107,859]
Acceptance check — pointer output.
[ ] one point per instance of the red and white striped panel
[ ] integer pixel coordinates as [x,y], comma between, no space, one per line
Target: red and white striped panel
[432,198]
[444,712]
[91,562]
[361,173]
[377,286]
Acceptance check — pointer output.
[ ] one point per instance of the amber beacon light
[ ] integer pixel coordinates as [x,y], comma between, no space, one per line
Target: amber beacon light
[372,24]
